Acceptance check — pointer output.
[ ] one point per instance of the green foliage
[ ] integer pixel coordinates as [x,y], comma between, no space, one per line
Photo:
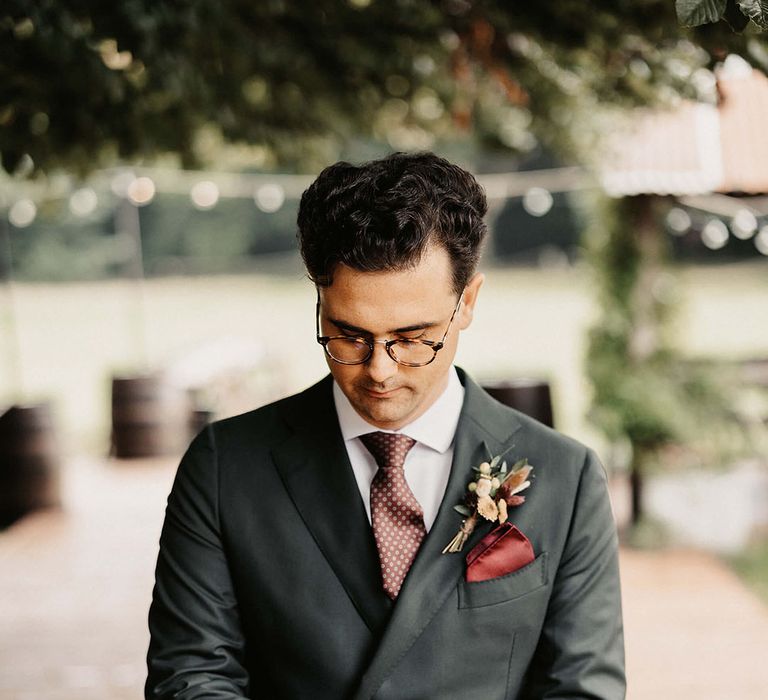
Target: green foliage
[752,566]
[644,391]
[756,10]
[692,13]
[648,534]
[176,239]
[737,13]
[84,83]
[735,18]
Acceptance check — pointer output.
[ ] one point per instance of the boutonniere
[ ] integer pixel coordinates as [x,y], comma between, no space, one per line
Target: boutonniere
[494,489]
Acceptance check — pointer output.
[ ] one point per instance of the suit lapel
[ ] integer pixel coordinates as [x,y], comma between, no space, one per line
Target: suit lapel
[484,428]
[314,466]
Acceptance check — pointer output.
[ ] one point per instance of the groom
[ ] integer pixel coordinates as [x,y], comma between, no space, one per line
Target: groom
[302,551]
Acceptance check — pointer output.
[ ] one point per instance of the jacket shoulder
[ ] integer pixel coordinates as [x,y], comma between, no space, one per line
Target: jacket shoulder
[274,421]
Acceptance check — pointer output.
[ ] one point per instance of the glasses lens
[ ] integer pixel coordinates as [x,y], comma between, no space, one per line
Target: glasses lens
[412,352]
[347,350]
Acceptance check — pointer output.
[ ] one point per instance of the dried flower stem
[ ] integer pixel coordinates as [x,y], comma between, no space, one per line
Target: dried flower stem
[467,527]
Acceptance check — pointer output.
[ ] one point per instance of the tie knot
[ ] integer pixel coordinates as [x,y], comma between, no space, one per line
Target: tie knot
[388,449]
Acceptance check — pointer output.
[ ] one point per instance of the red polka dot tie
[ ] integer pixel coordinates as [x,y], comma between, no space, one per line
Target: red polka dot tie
[396,516]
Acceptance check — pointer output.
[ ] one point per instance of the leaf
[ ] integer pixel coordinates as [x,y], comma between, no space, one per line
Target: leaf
[735,17]
[514,480]
[756,10]
[519,487]
[464,510]
[692,13]
[503,467]
[495,461]
[516,467]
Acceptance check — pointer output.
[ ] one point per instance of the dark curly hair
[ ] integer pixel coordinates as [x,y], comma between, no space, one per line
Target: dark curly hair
[381,215]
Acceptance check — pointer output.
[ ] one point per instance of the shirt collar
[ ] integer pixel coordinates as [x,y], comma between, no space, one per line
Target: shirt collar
[434,428]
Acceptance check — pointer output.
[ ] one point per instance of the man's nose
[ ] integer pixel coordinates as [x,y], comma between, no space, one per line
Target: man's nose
[380,365]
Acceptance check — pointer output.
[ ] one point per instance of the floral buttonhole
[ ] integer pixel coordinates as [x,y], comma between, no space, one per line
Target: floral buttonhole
[494,490]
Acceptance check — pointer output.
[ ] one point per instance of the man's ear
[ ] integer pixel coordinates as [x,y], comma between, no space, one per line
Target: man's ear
[467,310]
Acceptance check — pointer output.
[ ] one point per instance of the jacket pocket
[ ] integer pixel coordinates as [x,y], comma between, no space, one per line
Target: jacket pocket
[504,588]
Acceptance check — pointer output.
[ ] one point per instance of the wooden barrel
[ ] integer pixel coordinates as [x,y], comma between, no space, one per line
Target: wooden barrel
[531,396]
[149,417]
[30,466]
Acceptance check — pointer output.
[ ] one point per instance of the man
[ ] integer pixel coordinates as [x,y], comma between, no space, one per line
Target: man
[302,551]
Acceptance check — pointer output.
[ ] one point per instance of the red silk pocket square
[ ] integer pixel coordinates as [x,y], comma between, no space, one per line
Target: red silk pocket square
[503,550]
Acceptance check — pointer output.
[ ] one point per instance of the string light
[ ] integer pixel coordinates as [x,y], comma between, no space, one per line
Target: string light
[537,201]
[269,198]
[761,240]
[679,221]
[22,213]
[204,195]
[141,191]
[83,201]
[121,182]
[744,224]
[715,234]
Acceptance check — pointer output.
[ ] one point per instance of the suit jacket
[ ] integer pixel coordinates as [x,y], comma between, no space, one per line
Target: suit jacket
[268,582]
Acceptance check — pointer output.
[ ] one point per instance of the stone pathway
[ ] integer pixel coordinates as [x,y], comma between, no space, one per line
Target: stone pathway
[75,587]
[693,632]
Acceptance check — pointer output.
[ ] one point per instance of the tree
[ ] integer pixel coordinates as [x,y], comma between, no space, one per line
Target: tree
[737,13]
[645,392]
[85,82]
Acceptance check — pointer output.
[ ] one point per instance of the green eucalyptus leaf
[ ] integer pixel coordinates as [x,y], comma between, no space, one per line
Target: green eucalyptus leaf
[737,19]
[756,10]
[692,13]
[495,461]
[464,510]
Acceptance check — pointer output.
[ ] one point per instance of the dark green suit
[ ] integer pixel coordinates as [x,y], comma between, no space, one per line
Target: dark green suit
[268,582]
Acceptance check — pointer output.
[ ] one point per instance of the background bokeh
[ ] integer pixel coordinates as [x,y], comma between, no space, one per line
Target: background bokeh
[153,156]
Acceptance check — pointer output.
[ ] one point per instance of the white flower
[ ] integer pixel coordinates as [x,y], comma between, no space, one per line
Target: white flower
[483,488]
[485,468]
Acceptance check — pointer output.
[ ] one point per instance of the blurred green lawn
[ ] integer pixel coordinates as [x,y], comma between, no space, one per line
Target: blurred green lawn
[529,322]
[752,566]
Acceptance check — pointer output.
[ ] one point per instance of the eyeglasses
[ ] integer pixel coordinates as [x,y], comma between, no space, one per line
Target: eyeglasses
[355,350]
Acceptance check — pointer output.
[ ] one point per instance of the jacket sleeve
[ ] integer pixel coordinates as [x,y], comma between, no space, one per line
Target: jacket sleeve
[196,641]
[580,653]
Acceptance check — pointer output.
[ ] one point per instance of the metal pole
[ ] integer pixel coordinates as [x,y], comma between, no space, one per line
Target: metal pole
[13,346]
[128,223]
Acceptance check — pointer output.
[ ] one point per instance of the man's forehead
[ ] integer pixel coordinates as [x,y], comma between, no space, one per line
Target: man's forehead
[377,312]
[381,313]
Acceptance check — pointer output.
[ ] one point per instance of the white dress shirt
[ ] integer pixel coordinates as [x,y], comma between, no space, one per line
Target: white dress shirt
[428,463]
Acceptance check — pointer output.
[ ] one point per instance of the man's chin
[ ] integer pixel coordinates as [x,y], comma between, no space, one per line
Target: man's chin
[384,411]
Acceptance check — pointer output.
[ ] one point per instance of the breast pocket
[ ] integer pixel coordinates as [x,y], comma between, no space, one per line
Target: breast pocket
[505,588]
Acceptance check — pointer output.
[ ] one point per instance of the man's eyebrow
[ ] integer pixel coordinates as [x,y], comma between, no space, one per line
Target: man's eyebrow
[339,323]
